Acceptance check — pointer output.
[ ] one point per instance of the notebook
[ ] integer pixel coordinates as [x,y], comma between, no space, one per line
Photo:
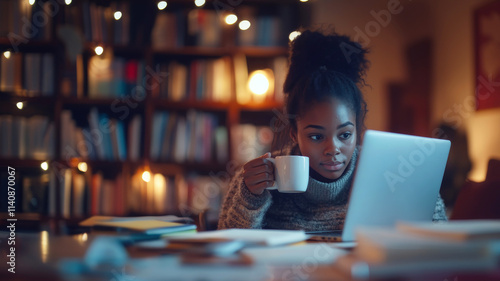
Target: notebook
[397,178]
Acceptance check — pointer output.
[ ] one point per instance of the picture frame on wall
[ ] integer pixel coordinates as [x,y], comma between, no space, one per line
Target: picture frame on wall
[487,55]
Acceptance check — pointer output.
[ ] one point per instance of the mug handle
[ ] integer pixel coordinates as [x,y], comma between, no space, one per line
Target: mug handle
[275,185]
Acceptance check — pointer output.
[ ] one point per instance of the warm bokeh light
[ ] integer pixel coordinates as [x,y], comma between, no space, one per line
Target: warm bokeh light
[82,167]
[68,2]
[146,176]
[304,0]
[45,166]
[6,54]
[99,50]
[258,82]
[32,2]
[199,3]
[293,35]
[244,25]
[162,5]
[81,238]
[44,246]
[231,19]
[118,15]
[20,105]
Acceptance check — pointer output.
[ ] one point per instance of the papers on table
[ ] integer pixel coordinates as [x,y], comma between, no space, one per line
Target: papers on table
[263,237]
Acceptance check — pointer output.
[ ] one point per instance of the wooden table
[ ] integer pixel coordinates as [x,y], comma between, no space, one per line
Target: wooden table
[42,256]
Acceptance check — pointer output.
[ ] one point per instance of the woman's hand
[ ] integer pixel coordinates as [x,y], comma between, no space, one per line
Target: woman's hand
[258,174]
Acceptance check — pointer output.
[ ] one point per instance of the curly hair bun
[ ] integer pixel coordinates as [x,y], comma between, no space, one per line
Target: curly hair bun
[312,51]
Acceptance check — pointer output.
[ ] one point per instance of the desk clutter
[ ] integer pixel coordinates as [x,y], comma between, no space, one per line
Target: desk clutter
[409,250]
[431,247]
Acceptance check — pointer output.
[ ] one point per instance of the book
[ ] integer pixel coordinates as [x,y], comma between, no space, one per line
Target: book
[359,269]
[78,195]
[94,128]
[65,194]
[146,226]
[134,137]
[91,221]
[458,230]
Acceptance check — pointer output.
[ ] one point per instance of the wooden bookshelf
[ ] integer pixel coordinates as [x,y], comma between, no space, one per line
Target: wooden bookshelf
[74,106]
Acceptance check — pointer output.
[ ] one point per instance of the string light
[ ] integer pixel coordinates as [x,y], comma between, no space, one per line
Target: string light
[20,105]
[118,15]
[7,54]
[82,167]
[31,2]
[162,5]
[68,2]
[244,25]
[293,35]
[199,3]
[99,50]
[304,1]
[146,176]
[231,19]
[44,166]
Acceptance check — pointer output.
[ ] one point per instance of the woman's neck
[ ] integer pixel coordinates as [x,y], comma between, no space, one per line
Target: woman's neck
[315,175]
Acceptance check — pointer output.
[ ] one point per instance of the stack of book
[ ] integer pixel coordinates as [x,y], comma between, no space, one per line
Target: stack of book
[194,137]
[424,248]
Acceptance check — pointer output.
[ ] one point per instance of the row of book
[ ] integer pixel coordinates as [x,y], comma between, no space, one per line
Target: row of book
[201,79]
[265,31]
[22,21]
[99,24]
[111,77]
[195,137]
[172,27]
[104,138]
[26,137]
[269,26]
[168,30]
[83,195]
[37,73]
[199,27]
[203,27]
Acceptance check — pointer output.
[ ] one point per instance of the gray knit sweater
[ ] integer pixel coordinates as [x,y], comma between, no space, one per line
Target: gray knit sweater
[322,207]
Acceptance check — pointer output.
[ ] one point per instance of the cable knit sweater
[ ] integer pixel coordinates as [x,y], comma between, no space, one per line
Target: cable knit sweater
[322,207]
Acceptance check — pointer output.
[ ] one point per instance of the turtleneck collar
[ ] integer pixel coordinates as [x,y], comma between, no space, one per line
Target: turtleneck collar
[331,191]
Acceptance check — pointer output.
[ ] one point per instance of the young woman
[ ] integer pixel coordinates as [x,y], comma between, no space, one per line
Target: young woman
[327,111]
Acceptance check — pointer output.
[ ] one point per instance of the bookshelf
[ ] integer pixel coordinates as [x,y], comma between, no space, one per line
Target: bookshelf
[175,109]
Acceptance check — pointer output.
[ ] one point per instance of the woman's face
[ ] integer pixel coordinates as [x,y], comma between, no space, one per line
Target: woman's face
[326,133]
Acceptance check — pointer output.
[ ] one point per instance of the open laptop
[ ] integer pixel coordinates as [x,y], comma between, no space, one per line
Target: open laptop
[397,178]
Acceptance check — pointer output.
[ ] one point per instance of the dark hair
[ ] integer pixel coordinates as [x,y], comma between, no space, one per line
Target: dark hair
[322,67]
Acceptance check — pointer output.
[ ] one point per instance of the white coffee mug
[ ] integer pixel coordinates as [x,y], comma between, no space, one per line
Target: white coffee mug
[291,173]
